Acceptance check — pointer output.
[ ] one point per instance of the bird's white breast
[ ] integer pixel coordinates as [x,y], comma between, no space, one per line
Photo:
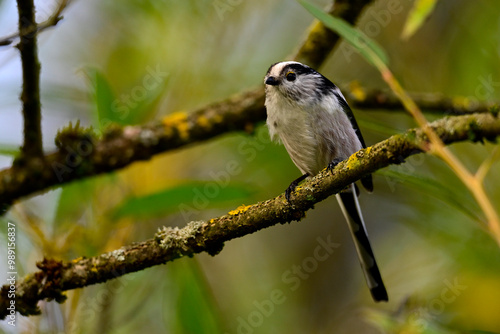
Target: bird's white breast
[312,137]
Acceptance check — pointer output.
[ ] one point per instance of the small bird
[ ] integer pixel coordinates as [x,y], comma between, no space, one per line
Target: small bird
[312,119]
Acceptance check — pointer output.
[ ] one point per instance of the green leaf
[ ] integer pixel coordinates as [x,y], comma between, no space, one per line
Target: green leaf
[10,150]
[187,196]
[103,98]
[127,108]
[74,201]
[420,11]
[433,188]
[367,47]
[196,310]
[141,109]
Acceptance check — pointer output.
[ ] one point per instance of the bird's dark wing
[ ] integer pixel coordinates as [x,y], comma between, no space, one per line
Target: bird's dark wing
[350,115]
[366,181]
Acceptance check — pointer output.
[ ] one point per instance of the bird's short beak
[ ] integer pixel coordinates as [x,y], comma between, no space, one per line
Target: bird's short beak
[272,81]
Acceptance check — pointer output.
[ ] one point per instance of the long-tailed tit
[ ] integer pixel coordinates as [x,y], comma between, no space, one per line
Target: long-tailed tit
[312,119]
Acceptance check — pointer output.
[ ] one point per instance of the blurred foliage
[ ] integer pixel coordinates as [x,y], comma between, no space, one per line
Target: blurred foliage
[417,16]
[128,109]
[145,59]
[458,200]
[201,195]
[194,308]
[11,150]
[367,47]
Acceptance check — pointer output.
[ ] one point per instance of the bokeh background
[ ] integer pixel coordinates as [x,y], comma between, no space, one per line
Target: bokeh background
[146,59]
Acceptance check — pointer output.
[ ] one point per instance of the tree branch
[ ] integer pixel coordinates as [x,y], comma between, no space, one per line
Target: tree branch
[81,155]
[436,103]
[168,244]
[32,146]
[36,28]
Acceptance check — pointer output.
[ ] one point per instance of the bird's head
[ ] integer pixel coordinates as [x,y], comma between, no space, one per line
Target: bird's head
[296,82]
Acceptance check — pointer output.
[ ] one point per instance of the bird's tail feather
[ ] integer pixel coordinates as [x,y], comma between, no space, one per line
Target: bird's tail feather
[350,207]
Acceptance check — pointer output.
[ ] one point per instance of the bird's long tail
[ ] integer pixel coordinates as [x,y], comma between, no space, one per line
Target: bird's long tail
[350,207]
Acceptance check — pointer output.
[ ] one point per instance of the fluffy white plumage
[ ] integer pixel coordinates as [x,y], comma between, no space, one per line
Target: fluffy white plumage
[315,131]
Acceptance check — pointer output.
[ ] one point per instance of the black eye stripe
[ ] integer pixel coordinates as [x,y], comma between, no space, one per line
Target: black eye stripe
[290,76]
[298,69]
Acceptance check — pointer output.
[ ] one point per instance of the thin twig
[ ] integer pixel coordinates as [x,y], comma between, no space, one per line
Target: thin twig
[485,167]
[53,20]
[438,148]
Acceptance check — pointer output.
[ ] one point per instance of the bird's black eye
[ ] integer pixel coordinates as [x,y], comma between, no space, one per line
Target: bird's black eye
[290,76]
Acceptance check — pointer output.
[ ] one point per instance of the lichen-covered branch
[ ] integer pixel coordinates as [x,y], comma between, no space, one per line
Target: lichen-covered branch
[82,155]
[436,103]
[55,277]
[30,96]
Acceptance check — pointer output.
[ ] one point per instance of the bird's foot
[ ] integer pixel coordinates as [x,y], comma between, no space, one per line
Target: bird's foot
[292,187]
[333,164]
[290,190]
